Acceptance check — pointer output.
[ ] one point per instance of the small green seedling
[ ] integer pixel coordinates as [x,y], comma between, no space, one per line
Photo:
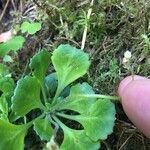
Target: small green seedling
[57,98]
[13,44]
[30,28]
[17,42]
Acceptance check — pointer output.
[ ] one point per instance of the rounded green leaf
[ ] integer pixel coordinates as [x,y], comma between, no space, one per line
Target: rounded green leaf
[12,136]
[70,64]
[96,116]
[51,84]
[39,64]
[76,139]
[13,44]
[7,85]
[30,28]
[3,71]
[98,120]
[76,100]
[35,27]
[25,26]
[43,128]
[3,105]
[26,96]
[98,123]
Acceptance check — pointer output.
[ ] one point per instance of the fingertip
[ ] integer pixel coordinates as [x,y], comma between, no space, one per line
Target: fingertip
[135,95]
[4,37]
[123,84]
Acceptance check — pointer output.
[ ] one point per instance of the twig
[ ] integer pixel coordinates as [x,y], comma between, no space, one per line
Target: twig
[125,142]
[61,20]
[106,145]
[82,3]
[13,4]
[2,15]
[119,139]
[70,40]
[21,6]
[86,25]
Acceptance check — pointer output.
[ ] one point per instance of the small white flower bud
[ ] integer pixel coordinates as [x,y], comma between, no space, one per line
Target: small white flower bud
[124,61]
[127,54]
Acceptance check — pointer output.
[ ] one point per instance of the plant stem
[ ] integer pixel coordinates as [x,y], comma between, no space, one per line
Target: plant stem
[99,96]
[59,89]
[12,117]
[56,95]
[31,122]
[41,106]
[65,116]
[25,119]
[44,94]
[2,14]
[86,25]
[63,126]
[55,124]
[115,98]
